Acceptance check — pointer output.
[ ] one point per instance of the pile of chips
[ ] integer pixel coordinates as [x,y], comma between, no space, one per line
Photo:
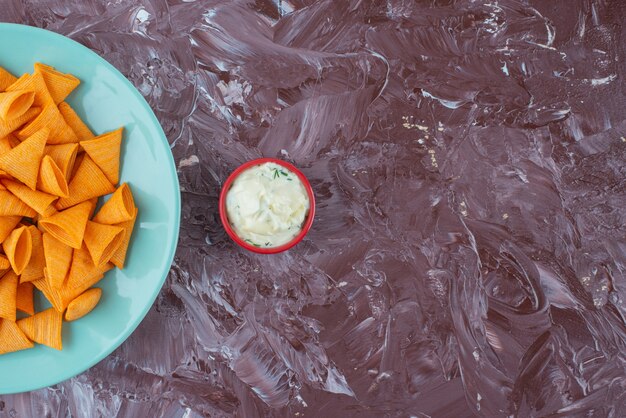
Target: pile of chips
[53,170]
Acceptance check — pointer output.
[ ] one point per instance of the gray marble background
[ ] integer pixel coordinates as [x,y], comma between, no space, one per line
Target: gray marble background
[467,258]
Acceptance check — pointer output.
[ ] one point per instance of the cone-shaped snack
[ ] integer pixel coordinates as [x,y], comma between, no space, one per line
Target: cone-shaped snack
[35,83]
[94,204]
[83,304]
[18,247]
[37,262]
[68,294]
[49,117]
[59,85]
[58,260]
[8,296]
[10,205]
[51,178]
[88,182]
[53,295]
[44,328]
[83,274]
[40,201]
[7,225]
[24,300]
[4,265]
[6,79]
[68,226]
[119,258]
[6,127]
[82,131]
[12,338]
[64,156]
[23,161]
[82,267]
[79,160]
[5,145]
[14,104]
[119,208]
[104,150]
[102,241]
[13,140]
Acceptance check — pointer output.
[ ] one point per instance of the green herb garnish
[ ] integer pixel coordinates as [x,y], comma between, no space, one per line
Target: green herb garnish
[278,173]
[251,242]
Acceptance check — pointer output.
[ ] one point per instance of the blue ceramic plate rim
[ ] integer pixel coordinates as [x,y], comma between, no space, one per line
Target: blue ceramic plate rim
[171,246]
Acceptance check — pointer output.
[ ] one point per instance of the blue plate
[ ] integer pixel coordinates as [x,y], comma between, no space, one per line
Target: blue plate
[105,100]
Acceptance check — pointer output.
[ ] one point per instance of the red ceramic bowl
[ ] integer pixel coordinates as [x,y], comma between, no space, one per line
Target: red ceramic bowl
[224,214]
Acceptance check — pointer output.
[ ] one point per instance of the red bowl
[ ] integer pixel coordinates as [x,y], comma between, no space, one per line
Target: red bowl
[224,215]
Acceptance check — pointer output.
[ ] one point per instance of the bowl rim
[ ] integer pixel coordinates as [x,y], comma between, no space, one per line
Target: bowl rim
[224,215]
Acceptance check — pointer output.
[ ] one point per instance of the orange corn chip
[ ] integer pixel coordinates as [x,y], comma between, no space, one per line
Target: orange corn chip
[23,161]
[102,241]
[119,208]
[18,248]
[94,205]
[68,226]
[12,338]
[13,141]
[7,224]
[82,267]
[51,178]
[83,304]
[88,182]
[4,265]
[53,295]
[104,150]
[24,298]
[10,126]
[59,85]
[33,82]
[44,328]
[41,202]
[64,156]
[6,79]
[12,206]
[8,294]
[119,258]
[68,294]
[14,104]
[50,118]
[83,274]
[81,130]
[58,258]
[79,160]
[83,271]
[34,269]
[5,145]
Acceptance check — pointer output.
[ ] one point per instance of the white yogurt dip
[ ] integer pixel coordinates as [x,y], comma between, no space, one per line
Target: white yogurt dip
[267,205]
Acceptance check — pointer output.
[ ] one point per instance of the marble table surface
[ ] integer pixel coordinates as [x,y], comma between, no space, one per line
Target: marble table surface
[468,254]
